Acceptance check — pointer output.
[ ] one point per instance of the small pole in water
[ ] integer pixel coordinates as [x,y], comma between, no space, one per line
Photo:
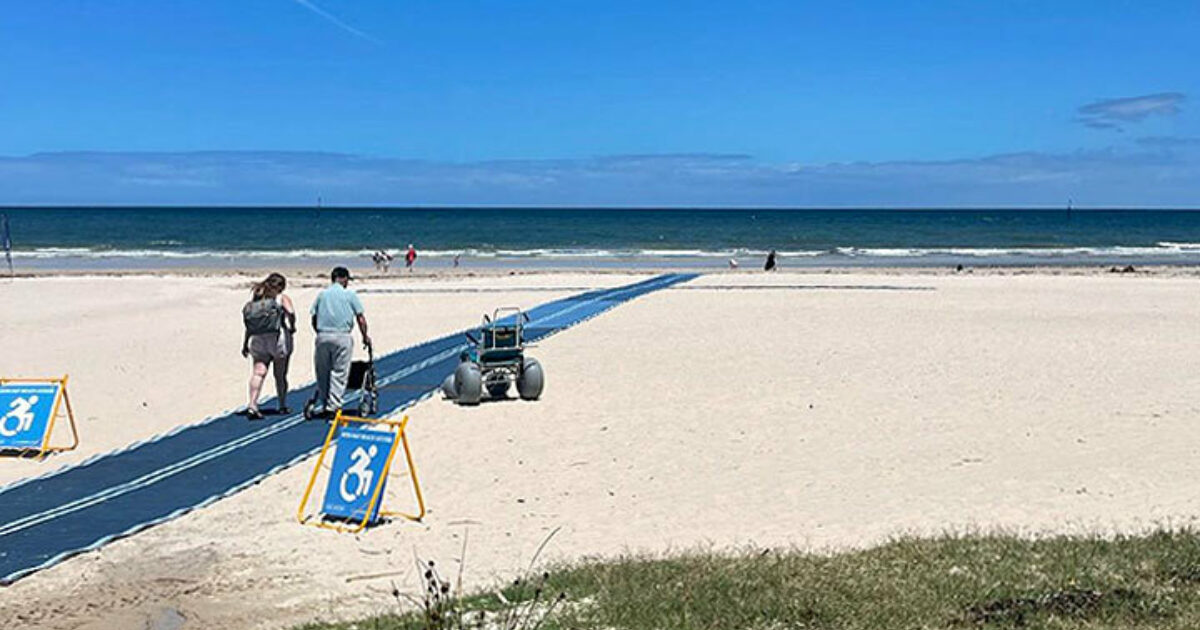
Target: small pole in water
[6,240]
[1068,209]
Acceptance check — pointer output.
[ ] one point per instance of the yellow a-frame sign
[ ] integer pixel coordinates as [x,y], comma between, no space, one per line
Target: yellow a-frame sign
[359,473]
[29,409]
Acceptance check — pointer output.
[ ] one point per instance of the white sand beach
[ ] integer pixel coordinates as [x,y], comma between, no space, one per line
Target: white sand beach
[811,410]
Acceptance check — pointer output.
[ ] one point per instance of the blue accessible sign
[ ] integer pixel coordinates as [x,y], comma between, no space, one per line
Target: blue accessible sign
[358,474]
[25,413]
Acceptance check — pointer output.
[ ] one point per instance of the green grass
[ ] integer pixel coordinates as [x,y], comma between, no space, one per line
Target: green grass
[952,582]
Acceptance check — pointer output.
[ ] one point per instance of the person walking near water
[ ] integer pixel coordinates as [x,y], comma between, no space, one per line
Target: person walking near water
[334,314]
[770,266]
[410,257]
[382,260]
[270,322]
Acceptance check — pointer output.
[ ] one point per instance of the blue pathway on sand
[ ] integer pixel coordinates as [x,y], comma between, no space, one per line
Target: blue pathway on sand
[46,520]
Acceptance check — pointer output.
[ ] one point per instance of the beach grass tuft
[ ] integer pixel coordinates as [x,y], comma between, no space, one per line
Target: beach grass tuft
[951,582]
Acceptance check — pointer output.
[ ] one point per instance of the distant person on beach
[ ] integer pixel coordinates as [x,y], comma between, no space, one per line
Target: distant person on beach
[770,265]
[410,257]
[270,322]
[334,314]
[733,263]
[456,257]
[383,260]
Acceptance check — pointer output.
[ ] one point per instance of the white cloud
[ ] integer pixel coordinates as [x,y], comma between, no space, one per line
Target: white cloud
[1114,113]
[1146,176]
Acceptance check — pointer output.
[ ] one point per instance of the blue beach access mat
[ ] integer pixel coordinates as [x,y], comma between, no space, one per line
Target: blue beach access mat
[44,520]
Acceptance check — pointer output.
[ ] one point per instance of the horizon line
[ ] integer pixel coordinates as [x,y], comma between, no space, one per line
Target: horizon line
[772,208]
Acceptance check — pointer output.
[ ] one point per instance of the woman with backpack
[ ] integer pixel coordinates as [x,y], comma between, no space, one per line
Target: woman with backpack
[270,321]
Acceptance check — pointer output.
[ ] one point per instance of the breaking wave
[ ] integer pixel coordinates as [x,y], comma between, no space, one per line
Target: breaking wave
[1164,250]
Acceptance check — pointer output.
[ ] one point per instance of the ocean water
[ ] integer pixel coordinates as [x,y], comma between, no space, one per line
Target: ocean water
[116,237]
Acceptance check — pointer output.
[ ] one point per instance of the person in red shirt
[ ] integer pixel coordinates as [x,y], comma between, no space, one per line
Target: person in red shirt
[410,257]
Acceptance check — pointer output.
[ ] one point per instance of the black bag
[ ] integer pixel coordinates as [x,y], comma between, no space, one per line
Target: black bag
[358,374]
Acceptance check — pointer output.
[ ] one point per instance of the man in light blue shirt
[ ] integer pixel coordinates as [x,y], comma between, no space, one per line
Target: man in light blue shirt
[334,313]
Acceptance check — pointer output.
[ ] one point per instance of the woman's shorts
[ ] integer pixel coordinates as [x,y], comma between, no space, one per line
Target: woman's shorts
[268,347]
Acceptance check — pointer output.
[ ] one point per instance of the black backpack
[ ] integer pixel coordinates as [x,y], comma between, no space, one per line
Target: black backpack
[262,316]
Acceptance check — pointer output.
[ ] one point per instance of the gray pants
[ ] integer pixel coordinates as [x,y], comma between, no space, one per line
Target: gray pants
[332,362]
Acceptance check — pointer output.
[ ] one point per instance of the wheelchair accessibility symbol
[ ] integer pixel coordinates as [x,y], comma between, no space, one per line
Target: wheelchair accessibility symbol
[357,477]
[360,465]
[361,472]
[19,417]
[25,413]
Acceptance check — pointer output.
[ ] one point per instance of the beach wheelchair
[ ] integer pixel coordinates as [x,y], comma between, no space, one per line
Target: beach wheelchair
[495,362]
[361,378]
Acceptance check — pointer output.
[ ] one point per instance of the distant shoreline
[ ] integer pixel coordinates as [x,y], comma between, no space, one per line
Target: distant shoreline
[428,272]
[443,263]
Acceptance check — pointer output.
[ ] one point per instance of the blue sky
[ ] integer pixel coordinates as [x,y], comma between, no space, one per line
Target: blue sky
[616,103]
